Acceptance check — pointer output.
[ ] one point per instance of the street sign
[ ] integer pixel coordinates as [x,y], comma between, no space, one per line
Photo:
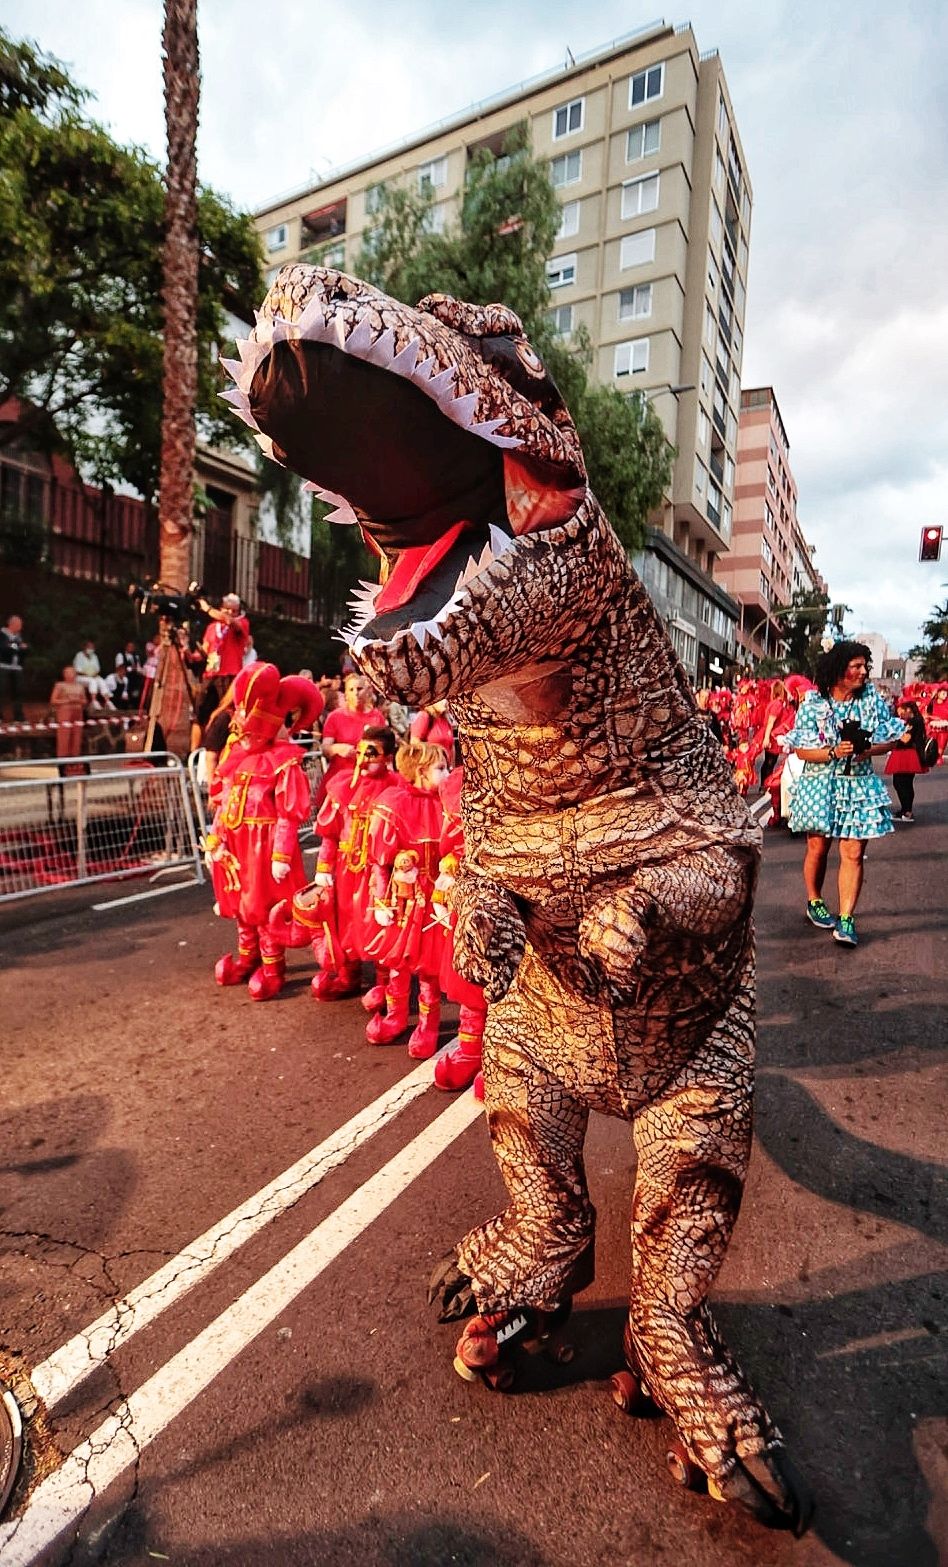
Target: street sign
[930,547]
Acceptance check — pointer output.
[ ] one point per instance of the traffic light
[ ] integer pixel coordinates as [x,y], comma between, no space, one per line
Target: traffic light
[930,548]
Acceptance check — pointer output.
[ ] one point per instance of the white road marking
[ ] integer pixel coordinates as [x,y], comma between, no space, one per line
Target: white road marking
[138,897]
[67,1367]
[59,1502]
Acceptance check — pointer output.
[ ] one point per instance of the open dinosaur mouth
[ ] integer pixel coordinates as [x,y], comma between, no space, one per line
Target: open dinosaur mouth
[427,493]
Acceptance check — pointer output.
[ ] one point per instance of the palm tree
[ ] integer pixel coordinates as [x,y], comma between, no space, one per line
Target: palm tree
[933,652]
[179,291]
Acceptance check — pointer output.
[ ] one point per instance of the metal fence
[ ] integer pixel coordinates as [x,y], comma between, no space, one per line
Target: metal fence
[90,819]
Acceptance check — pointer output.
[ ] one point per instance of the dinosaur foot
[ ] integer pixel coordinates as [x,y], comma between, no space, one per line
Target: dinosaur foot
[450,1292]
[724,1438]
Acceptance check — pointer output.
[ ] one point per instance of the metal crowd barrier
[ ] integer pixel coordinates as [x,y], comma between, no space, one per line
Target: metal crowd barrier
[85,819]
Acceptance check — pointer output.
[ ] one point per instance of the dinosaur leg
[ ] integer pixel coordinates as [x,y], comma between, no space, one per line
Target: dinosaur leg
[693,1146]
[539,1251]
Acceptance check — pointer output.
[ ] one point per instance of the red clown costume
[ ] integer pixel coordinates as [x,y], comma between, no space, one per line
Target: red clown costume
[343,868]
[404,850]
[461,1064]
[260,796]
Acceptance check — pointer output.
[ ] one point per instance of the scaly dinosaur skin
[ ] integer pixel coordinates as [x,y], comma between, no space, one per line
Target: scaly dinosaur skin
[605,898]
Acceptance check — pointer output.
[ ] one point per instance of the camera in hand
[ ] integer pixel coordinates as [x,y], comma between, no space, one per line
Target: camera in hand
[860,739]
[165,602]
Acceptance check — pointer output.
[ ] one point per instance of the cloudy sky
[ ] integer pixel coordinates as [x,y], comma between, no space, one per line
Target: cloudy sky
[843,113]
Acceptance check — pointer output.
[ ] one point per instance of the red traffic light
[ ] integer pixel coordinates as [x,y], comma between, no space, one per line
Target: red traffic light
[930,548]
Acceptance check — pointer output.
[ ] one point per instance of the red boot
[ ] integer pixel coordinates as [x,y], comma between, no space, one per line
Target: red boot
[424,1040]
[374,999]
[230,970]
[336,984]
[267,981]
[384,1028]
[460,1064]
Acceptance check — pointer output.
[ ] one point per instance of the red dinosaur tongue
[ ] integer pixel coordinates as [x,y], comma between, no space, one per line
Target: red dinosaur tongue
[411,568]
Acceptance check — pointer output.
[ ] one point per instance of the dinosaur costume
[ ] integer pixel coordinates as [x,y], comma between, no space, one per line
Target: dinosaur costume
[605,899]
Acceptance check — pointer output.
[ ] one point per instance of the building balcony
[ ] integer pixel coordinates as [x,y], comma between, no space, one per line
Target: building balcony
[323,224]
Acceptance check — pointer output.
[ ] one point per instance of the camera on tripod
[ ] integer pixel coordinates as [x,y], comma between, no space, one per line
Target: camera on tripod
[167,604]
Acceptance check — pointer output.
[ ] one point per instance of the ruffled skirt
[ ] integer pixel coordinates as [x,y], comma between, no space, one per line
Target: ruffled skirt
[835,804]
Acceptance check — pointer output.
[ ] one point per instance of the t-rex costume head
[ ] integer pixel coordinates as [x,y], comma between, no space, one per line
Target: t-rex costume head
[604,899]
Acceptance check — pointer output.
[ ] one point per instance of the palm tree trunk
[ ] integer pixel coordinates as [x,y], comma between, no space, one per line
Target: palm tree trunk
[179,292]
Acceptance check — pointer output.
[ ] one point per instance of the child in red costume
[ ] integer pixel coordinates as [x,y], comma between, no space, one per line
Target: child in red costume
[261,796]
[404,839]
[461,1064]
[343,865]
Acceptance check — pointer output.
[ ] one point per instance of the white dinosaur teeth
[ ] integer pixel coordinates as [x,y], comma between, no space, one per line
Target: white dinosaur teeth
[421,372]
[233,367]
[282,329]
[442,384]
[461,409]
[404,361]
[312,322]
[343,511]
[241,406]
[266,446]
[500,542]
[447,610]
[336,329]
[485,428]
[382,350]
[360,339]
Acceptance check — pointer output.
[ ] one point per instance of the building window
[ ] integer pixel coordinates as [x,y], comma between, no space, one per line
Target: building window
[561,271]
[567,168]
[561,320]
[769,521]
[730,433]
[717,226]
[643,140]
[335,256]
[764,588]
[704,428]
[278,238]
[714,276]
[726,519]
[635,302]
[631,358]
[373,199]
[728,472]
[568,118]
[724,129]
[767,554]
[707,375]
[646,85]
[709,324]
[271,275]
[701,477]
[734,389]
[637,249]
[431,176]
[435,218]
[569,220]
[745,210]
[640,195]
[740,296]
[738,343]
[742,254]
[718,170]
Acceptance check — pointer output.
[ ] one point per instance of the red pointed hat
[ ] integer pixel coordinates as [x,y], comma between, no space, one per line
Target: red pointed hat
[303,697]
[257,710]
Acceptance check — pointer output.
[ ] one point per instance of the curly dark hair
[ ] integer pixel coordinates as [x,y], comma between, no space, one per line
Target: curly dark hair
[832,665]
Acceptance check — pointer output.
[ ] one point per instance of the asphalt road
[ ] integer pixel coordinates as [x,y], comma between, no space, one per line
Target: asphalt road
[268,1195]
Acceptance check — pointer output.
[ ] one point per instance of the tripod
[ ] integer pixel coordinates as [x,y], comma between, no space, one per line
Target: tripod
[169,655]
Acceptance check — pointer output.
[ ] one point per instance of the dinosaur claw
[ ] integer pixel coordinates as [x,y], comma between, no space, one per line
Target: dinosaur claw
[772,1488]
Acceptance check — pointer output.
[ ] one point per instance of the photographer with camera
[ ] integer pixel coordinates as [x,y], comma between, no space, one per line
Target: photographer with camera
[838,730]
[224,644]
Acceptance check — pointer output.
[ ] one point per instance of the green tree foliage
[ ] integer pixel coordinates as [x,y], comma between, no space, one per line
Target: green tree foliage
[498,252]
[80,277]
[932,654]
[803,627]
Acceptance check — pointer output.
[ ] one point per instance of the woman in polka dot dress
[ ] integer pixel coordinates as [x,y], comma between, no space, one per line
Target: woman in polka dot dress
[838,730]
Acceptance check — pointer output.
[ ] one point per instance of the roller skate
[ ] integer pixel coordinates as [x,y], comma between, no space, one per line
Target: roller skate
[490,1345]
[766,1483]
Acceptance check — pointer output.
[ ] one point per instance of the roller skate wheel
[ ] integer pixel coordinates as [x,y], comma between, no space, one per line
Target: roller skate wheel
[680,1467]
[626,1390]
[562,1354]
[714,1490]
[501,1380]
[464,1371]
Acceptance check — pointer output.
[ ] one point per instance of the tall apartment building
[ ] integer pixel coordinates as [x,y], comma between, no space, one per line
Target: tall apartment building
[651,256]
[769,559]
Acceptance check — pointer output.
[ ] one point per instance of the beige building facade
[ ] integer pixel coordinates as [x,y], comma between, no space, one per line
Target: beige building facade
[651,257]
[770,559]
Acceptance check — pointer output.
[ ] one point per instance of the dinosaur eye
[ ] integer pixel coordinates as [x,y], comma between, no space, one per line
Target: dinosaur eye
[530,359]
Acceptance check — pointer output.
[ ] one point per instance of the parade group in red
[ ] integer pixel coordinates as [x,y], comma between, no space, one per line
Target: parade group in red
[390,844]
